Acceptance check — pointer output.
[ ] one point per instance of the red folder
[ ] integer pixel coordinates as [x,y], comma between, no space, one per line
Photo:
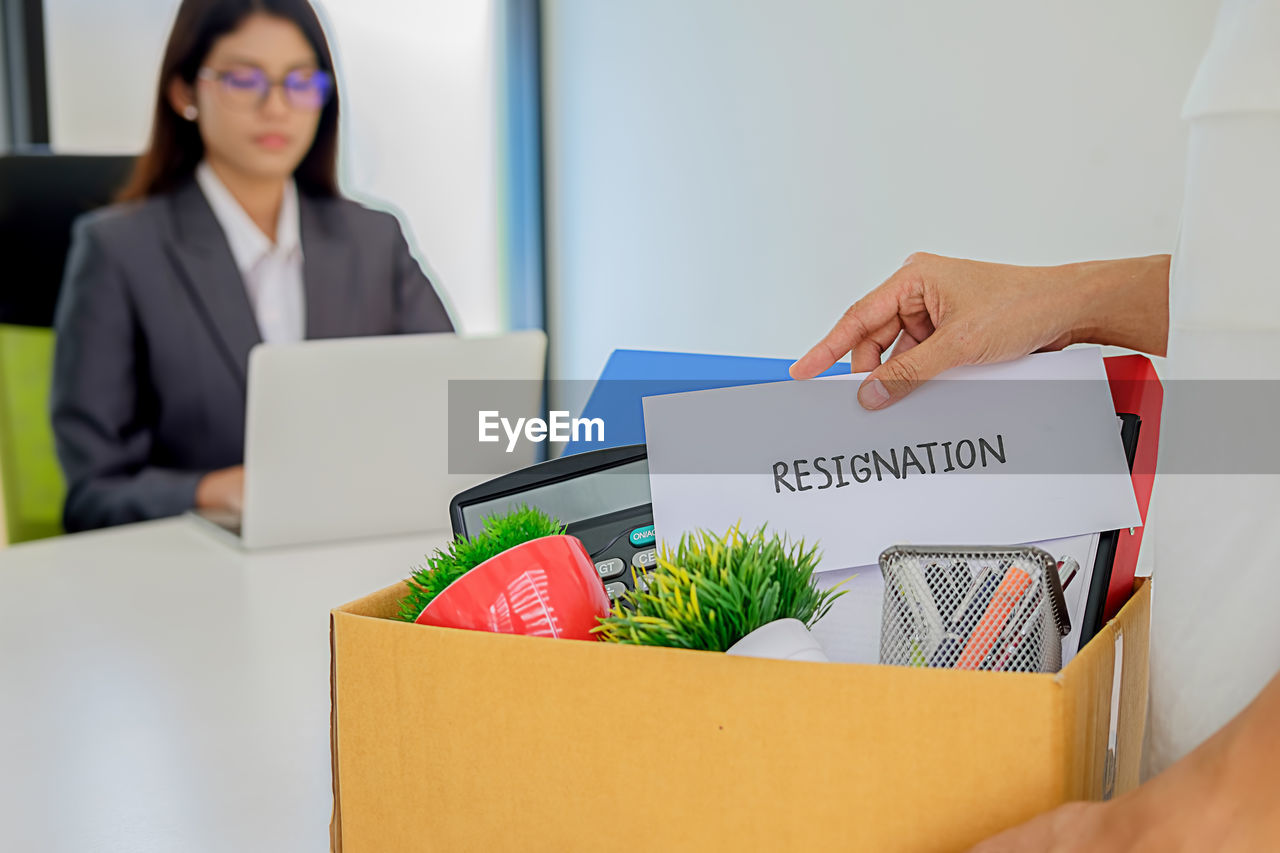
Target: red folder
[1135,389]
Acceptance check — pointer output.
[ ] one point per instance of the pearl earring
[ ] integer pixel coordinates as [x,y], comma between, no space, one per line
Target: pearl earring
[189,112]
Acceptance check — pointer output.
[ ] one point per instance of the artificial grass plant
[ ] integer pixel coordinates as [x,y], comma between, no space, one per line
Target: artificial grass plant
[712,591]
[446,565]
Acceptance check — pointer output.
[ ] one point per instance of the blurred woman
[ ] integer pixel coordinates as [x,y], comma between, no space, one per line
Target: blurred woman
[231,232]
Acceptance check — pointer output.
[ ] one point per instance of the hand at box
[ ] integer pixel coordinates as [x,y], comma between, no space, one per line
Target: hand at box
[1072,828]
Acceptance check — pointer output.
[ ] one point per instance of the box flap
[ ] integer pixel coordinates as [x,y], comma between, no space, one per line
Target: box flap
[1088,681]
[335,823]
[383,604]
[1134,620]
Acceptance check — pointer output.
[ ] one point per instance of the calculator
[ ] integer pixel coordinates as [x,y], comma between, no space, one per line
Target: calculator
[601,496]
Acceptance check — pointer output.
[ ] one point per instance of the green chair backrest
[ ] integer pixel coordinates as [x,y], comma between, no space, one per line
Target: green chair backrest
[29,471]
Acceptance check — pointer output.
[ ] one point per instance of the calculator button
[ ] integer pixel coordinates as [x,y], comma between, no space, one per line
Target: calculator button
[645,560]
[611,568]
[642,537]
[642,583]
[615,589]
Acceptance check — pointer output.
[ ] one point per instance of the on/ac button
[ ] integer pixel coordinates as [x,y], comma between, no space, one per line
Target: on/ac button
[642,537]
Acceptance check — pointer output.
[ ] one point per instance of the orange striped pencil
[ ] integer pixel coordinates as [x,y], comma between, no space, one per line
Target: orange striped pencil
[1003,600]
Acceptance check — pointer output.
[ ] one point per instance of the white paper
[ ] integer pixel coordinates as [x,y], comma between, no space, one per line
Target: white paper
[1085,551]
[1055,467]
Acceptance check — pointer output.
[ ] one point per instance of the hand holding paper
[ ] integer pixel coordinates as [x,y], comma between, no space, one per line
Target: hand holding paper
[1004,311]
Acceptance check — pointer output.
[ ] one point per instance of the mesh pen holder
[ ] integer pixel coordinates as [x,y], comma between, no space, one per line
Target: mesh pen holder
[972,608]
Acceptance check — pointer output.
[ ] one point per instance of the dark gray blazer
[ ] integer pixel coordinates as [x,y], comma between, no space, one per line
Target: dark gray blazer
[153,335]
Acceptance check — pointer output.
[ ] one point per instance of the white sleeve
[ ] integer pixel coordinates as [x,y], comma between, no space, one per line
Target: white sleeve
[1240,71]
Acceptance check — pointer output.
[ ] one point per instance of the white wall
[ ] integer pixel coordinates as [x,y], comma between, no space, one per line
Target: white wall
[421,135]
[420,124]
[729,175]
[102,59]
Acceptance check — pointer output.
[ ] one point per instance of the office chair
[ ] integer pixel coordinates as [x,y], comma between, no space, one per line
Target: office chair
[40,195]
[29,472]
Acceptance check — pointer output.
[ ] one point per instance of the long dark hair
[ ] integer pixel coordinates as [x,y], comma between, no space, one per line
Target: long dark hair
[176,147]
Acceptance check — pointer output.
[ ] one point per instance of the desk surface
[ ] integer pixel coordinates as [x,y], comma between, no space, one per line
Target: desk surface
[162,690]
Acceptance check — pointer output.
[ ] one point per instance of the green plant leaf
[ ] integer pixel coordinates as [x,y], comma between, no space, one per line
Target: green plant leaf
[711,591]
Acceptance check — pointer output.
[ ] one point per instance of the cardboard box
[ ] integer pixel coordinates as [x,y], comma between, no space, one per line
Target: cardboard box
[461,740]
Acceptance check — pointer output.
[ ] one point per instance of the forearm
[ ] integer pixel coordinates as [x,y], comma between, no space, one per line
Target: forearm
[94,502]
[1120,303]
[1221,796]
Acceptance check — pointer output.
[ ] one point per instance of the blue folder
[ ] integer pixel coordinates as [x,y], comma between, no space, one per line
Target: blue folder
[631,375]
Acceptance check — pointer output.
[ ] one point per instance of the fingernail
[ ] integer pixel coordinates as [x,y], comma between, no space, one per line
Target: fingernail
[872,394]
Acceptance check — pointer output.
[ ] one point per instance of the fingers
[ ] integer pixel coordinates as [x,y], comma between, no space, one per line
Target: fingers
[918,324]
[868,315]
[906,341]
[867,354]
[906,370]
[1027,838]
[1069,828]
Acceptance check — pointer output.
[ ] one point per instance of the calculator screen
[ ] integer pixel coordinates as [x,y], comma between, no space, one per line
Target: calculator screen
[576,499]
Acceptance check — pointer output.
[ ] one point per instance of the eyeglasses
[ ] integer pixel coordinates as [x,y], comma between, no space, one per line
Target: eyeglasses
[248,88]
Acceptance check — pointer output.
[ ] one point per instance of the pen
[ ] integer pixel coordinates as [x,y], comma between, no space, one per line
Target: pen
[1003,601]
[1013,645]
[964,617]
[926,622]
[1029,600]
[1067,570]
[940,577]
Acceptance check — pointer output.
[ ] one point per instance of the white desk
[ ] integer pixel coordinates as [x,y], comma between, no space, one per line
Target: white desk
[162,691]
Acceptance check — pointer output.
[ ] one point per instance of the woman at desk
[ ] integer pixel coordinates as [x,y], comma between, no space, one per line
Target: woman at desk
[231,232]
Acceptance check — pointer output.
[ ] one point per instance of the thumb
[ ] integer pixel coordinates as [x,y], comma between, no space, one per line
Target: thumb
[906,370]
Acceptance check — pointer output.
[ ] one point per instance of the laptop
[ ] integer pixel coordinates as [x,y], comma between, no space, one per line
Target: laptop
[351,438]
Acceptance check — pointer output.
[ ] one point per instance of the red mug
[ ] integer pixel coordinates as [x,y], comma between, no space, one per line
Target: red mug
[546,587]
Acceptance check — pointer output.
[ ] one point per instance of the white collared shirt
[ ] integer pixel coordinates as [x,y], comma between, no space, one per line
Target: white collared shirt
[272,271]
[1215,638]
